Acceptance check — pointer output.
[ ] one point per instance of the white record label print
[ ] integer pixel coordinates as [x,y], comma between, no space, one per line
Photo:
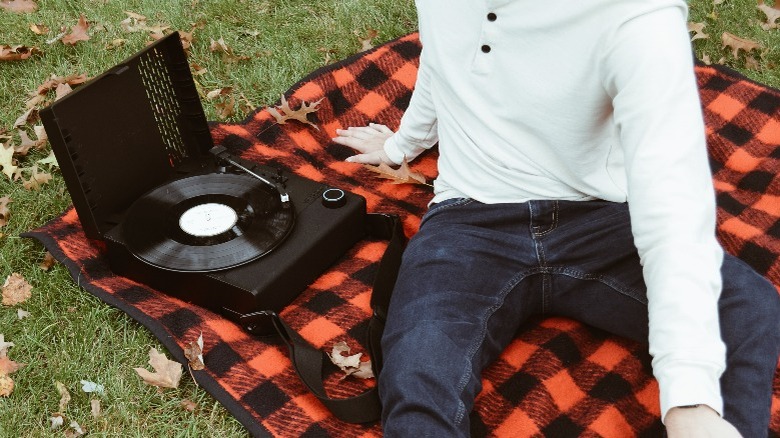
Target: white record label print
[206,220]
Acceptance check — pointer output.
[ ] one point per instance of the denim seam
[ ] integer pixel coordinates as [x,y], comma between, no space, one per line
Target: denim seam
[613,283]
[554,224]
[436,209]
[479,341]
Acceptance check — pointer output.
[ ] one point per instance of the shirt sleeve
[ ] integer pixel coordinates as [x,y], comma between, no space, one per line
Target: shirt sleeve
[647,68]
[417,131]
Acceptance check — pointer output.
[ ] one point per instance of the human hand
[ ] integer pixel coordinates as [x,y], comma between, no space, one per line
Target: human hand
[699,422]
[368,141]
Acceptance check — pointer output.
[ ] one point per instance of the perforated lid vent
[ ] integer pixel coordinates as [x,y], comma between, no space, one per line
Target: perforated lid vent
[166,107]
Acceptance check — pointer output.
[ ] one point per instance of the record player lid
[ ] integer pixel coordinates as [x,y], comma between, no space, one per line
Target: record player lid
[127,131]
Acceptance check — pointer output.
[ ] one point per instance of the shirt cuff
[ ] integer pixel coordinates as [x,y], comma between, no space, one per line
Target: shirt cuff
[393,151]
[686,384]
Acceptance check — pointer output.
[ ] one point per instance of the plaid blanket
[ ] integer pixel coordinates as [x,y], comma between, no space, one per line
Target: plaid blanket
[558,378]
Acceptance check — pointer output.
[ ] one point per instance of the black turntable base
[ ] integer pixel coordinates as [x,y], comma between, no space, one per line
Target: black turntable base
[271,279]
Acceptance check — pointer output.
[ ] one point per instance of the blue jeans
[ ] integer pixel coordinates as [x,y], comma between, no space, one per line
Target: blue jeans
[475,272]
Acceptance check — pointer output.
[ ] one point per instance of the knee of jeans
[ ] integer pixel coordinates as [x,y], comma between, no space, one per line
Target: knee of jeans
[753,300]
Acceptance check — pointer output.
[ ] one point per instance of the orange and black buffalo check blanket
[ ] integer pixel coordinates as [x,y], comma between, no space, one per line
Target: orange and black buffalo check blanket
[558,378]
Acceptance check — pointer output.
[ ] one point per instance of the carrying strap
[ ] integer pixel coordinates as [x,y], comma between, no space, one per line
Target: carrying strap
[308,361]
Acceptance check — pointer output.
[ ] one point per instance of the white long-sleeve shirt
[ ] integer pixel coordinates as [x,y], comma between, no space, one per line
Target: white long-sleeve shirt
[579,100]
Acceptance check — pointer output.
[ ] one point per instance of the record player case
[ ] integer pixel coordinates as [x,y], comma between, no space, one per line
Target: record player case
[139,126]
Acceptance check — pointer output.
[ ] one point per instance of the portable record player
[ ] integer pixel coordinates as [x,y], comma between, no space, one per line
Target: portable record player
[180,214]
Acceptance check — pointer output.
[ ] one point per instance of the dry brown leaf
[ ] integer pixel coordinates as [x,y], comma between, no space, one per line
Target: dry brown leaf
[21,314]
[16,290]
[62,90]
[402,175]
[17,52]
[20,6]
[365,41]
[28,143]
[54,81]
[95,407]
[219,46]
[47,262]
[6,386]
[736,43]
[37,178]
[7,161]
[64,395]
[167,373]
[189,405]
[284,113]
[5,212]
[77,32]
[4,346]
[226,109]
[213,94]
[39,29]
[50,160]
[193,351]
[698,29]
[57,420]
[351,365]
[7,366]
[28,116]
[75,430]
[772,14]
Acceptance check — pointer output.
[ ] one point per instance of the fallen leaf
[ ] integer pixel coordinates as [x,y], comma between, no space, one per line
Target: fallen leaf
[28,115]
[6,386]
[75,430]
[88,387]
[219,46]
[64,395]
[226,109]
[7,161]
[213,94]
[28,144]
[402,175]
[736,43]
[351,365]
[365,41]
[21,314]
[39,29]
[116,42]
[7,366]
[37,179]
[77,32]
[95,406]
[20,6]
[698,29]
[47,262]
[189,406]
[50,160]
[54,81]
[193,351]
[772,14]
[4,346]
[62,90]
[167,373]
[16,290]
[5,212]
[56,420]
[284,113]
[17,53]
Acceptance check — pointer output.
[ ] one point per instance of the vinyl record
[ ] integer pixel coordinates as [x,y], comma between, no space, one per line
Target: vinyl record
[206,223]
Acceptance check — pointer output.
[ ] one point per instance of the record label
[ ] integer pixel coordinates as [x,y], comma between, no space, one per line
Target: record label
[208,219]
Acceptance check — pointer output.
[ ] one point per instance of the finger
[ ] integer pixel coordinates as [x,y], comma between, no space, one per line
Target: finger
[351,142]
[371,158]
[381,128]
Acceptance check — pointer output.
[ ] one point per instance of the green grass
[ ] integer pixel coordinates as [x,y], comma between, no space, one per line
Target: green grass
[72,336]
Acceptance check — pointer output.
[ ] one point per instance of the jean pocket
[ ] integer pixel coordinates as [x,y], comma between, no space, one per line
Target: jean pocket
[443,205]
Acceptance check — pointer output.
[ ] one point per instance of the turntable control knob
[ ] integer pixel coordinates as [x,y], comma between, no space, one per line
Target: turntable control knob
[334,198]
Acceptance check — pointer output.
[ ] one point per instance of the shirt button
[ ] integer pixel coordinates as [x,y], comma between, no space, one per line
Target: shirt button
[491,17]
[486,49]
